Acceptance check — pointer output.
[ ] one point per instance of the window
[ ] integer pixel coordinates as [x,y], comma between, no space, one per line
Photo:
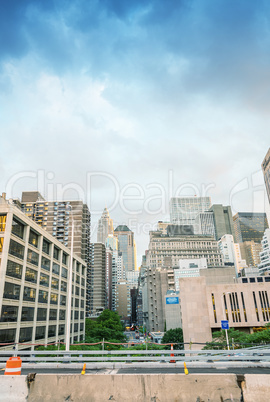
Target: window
[56,253]
[64,258]
[3,219]
[77,279]
[14,269]
[63,300]
[30,275]
[63,286]
[77,291]
[52,330]
[61,329]
[83,281]
[9,313]
[40,333]
[76,327]
[43,296]
[82,315]
[76,302]
[17,228]
[44,280]
[82,304]
[54,298]
[64,273]
[56,268]
[76,315]
[29,294]
[81,326]
[55,283]
[32,257]
[62,315]
[1,244]
[33,238]
[28,313]
[11,291]
[45,263]
[46,246]
[53,314]
[16,249]
[7,335]
[41,314]
[25,334]
[82,292]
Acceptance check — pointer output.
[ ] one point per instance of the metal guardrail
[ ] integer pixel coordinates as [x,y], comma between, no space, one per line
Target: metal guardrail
[255,355]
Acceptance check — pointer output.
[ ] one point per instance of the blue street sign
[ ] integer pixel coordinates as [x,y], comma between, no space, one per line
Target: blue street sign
[225,324]
[172,300]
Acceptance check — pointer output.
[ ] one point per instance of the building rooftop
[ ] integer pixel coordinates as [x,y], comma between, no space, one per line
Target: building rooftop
[122,228]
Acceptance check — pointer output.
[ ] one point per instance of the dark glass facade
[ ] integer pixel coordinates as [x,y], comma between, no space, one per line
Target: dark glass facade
[249,226]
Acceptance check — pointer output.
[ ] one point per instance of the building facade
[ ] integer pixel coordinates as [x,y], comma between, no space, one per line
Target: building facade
[244,305]
[126,245]
[56,218]
[98,299]
[264,265]
[223,220]
[249,226]
[35,272]
[183,210]
[266,172]
[105,227]
[165,250]
[204,224]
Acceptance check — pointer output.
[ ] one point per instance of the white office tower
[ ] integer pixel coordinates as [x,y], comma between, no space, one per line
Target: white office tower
[231,253]
[105,227]
[189,268]
[118,275]
[112,242]
[264,265]
[204,224]
[184,210]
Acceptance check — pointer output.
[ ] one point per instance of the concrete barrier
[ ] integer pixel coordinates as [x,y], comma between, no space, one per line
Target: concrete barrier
[256,388]
[13,388]
[130,387]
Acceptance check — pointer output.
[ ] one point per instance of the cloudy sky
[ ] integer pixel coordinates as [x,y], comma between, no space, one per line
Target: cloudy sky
[125,103]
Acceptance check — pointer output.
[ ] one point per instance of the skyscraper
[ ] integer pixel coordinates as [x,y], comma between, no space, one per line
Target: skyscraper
[56,218]
[223,220]
[266,172]
[249,226]
[126,245]
[183,210]
[105,227]
[98,299]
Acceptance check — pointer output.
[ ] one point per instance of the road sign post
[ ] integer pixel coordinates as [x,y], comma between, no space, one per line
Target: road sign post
[225,325]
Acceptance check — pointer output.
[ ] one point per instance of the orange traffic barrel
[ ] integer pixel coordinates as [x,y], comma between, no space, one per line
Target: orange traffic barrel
[172,354]
[13,366]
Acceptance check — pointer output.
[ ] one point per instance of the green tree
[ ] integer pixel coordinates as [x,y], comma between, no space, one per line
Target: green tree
[107,326]
[174,336]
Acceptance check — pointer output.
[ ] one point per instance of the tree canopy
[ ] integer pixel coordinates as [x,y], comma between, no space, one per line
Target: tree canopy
[107,326]
[174,336]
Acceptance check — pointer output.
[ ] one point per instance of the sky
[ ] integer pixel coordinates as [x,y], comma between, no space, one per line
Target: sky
[126,103]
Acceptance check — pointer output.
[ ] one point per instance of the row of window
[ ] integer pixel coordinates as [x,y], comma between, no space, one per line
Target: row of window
[12,291]
[8,335]
[17,250]
[18,229]
[10,314]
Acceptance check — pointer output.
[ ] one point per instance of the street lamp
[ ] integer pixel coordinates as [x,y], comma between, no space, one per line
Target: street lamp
[70,286]
[225,318]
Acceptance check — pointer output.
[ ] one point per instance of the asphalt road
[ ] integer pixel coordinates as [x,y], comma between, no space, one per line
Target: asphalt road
[161,370]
